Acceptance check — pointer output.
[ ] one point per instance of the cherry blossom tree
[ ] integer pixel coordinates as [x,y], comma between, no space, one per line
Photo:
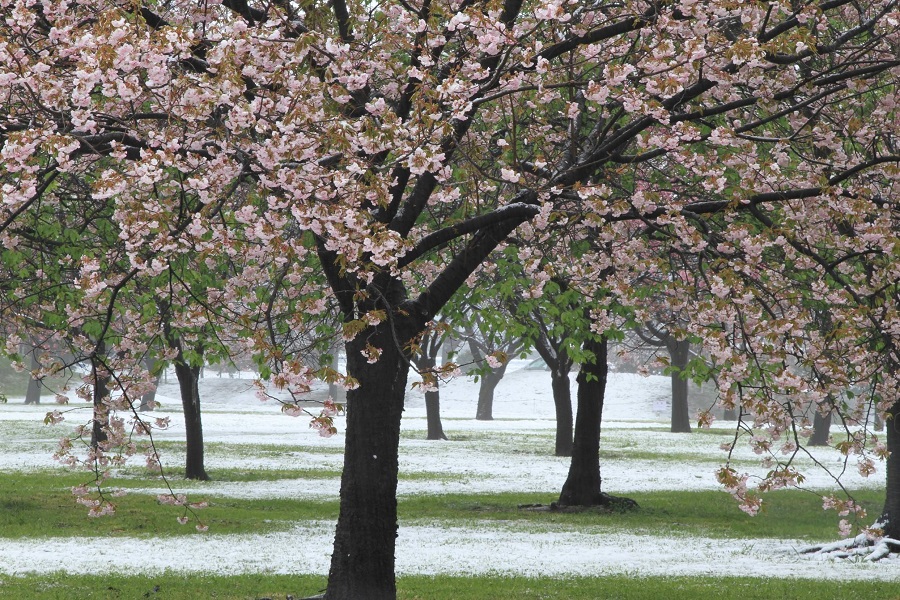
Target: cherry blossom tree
[369,158]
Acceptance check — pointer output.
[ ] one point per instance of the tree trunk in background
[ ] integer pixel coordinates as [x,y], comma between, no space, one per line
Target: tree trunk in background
[562,402]
[679,351]
[362,565]
[425,361]
[554,353]
[821,428]
[148,400]
[433,415]
[335,391]
[33,393]
[890,515]
[188,385]
[489,381]
[582,486]
[101,391]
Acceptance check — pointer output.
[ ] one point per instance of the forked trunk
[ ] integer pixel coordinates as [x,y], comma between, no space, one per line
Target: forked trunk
[362,566]
[489,381]
[562,402]
[679,351]
[890,516]
[582,486]
[188,385]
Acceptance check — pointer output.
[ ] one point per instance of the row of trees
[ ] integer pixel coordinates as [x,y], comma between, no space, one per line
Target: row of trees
[186,180]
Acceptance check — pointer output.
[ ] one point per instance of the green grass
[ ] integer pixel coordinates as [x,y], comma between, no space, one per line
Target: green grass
[786,514]
[39,504]
[173,586]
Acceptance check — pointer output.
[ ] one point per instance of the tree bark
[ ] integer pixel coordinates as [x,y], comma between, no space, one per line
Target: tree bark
[362,565]
[101,391]
[188,385]
[890,516]
[821,428]
[426,362]
[582,486]
[489,381]
[679,350]
[148,400]
[33,393]
[562,402]
[433,415]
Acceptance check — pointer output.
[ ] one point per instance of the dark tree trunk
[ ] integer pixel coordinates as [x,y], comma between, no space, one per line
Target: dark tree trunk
[890,516]
[334,390]
[362,565]
[148,400]
[821,428]
[679,351]
[582,486]
[489,381]
[425,363]
[188,385]
[33,393]
[101,391]
[554,353]
[433,415]
[562,401]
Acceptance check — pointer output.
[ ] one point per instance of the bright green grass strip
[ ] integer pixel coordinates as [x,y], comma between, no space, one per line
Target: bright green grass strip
[786,514]
[171,586]
[39,504]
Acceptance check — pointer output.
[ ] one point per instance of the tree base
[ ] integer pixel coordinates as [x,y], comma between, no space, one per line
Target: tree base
[606,503]
[861,546]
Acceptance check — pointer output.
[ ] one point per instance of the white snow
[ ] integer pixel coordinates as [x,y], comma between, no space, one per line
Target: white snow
[511,453]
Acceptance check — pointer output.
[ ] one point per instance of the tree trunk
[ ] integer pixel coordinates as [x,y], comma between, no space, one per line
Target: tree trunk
[334,390]
[148,400]
[890,516]
[821,428]
[679,350]
[582,486]
[101,391]
[562,401]
[489,381]
[362,565]
[188,385]
[433,415]
[33,393]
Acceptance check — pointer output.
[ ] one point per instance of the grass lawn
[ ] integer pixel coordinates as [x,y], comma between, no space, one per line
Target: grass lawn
[39,504]
[173,586]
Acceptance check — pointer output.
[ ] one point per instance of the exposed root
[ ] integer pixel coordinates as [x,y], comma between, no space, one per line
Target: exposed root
[861,546]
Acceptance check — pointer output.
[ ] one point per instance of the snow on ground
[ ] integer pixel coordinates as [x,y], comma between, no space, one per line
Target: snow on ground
[511,453]
[432,550]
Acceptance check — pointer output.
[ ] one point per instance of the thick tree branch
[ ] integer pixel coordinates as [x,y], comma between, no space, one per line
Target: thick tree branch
[454,276]
[524,205]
